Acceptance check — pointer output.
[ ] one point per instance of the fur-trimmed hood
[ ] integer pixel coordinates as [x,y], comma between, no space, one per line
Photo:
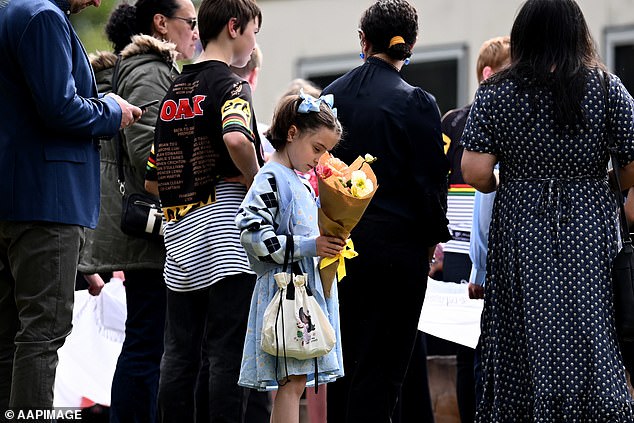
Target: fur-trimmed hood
[102,60]
[141,44]
[145,44]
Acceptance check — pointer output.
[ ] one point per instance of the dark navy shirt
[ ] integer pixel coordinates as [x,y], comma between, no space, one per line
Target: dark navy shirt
[400,125]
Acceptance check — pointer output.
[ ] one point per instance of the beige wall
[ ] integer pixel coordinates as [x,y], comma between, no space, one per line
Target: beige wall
[302,29]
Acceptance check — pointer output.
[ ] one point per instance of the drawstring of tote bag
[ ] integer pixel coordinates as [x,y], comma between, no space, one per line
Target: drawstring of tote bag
[280,313]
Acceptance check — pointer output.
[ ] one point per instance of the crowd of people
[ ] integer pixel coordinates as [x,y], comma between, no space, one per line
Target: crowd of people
[515,186]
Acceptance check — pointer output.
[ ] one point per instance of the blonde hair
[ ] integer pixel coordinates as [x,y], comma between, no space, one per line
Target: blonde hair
[495,53]
[299,83]
[255,62]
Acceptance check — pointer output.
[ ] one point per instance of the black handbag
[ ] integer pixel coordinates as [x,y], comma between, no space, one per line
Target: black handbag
[623,272]
[623,264]
[141,214]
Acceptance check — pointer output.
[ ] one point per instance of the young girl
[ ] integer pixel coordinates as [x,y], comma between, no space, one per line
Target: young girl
[280,203]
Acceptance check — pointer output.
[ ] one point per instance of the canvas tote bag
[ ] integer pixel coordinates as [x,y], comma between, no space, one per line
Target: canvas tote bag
[294,324]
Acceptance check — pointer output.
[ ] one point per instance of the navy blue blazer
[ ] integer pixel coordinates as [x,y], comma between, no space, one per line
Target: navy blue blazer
[50,117]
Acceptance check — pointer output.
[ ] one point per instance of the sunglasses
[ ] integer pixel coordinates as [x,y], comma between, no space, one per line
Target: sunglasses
[191,21]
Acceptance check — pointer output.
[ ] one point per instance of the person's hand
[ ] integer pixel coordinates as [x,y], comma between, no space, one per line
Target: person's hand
[329,246]
[151,187]
[95,284]
[435,268]
[118,274]
[476,292]
[129,112]
[436,259]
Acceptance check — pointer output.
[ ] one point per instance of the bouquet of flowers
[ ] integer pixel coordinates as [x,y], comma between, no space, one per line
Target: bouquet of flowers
[344,194]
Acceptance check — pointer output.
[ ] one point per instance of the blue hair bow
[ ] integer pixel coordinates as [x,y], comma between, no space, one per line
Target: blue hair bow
[311,104]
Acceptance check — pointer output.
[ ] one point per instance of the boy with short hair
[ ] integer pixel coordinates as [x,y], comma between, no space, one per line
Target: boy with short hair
[207,153]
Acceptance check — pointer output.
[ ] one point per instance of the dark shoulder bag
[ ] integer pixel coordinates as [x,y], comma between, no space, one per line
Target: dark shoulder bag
[141,214]
[623,264]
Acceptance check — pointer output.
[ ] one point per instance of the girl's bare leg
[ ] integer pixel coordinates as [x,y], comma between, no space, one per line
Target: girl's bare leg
[286,403]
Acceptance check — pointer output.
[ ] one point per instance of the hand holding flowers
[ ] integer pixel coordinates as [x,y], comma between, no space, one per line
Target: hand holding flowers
[329,246]
[356,182]
[344,194]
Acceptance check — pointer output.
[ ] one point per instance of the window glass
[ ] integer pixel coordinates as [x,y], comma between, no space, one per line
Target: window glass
[619,54]
[440,71]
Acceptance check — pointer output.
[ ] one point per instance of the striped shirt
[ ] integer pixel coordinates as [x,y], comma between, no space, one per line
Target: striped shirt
[460,196]
[204,246]
[460,215]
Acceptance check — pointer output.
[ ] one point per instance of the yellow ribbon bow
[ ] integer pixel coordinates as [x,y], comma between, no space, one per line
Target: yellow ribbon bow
[347,253]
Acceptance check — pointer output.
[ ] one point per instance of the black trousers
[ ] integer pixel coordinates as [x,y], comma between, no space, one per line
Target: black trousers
[259,404]
[414,404]
[216,315]
[380,302]
[135,383]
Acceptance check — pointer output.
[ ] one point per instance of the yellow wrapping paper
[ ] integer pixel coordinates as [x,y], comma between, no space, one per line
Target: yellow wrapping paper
[339,213]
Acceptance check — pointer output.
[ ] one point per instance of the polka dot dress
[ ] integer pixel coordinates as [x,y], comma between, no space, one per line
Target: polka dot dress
[550,350]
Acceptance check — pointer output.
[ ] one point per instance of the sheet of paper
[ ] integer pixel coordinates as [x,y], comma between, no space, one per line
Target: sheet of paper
[448,313]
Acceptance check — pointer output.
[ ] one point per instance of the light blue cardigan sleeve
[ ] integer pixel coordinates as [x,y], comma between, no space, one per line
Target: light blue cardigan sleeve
[264,220]
[482,210]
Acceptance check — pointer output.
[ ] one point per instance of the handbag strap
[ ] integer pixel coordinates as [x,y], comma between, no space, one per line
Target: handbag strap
[296,268]
[288,254]
[115,75]
[625,233]
[119,135]
[290,294]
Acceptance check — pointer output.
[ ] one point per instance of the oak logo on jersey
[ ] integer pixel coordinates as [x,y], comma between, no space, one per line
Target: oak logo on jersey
[185,108]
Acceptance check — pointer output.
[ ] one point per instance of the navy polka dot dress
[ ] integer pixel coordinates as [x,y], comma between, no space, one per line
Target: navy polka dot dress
[550,350]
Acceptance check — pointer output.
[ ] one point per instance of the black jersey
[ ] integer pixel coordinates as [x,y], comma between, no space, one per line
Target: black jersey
[205,102]
[452,126]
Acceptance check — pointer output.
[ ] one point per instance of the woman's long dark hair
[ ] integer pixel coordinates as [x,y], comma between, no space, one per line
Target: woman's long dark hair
[551,47]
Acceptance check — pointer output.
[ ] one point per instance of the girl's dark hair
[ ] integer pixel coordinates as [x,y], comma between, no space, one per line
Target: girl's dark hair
[213,15]
[387,19]
[286,115]
[551,47]
[128,20]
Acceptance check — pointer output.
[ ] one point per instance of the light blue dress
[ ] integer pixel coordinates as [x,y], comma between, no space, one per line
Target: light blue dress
[280,203]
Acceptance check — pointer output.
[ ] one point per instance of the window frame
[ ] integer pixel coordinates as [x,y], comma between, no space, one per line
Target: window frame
[616,36]
[341,63]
